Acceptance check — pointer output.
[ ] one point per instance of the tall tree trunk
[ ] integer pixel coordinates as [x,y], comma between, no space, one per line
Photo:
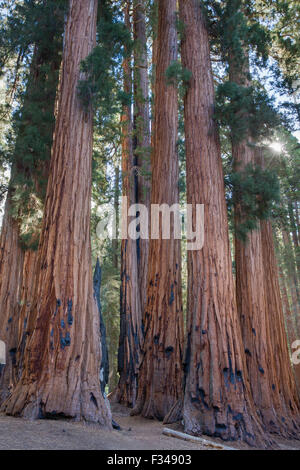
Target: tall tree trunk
[290,325]
[40,93]
[26,299]
[11,262]
[289,261]
[160,375]
[284,378]
[217,394]
[294,235]
[104,366]
[131,317]
[253,288]
[297,219]
[115,242]
[290,322]
[63,351]
[142,133]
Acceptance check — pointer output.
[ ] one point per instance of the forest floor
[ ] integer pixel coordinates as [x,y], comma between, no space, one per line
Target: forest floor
[136,434]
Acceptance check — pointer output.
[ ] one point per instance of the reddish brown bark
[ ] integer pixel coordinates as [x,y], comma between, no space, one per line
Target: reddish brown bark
[255,289]
[160,375]
[294,235]
[217,394]
[29,271]
[292,275]
[142,133]
[290,323]
[63,353]
[288,406]
[11,262]
[40,91]
[131,317]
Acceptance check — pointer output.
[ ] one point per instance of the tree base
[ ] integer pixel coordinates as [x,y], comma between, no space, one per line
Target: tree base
[33,402]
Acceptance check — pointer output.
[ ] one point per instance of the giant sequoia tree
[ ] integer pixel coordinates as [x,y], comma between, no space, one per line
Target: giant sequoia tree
[62,355]
[256,288]
[160,375]
[30,158]
[136,187]
[217,393]
[130,304]
[141,133]
[11,262]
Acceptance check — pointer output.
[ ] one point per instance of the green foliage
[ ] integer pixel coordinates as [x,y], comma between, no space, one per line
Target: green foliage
[255,191]
[99,88]
[29,148]
[180,26]
[245,110]
[26,23]
[177,75]
[234,24]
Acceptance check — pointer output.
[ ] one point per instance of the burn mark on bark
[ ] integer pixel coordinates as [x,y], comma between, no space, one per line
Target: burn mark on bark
[58,304]
[70,316]
[94,400]
[172,296]
[201,397]
[219,429]
[13,356]
[239,375]
[169,351]
[65,341]
[237,417]
[187,359]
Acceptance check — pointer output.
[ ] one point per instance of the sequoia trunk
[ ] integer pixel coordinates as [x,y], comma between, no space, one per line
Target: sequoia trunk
[40,95]
[131,317]
[284,378]
[142,134]
[254,286]
[11,264]
[289,261]
[63,352]
[217,393]
[160,375]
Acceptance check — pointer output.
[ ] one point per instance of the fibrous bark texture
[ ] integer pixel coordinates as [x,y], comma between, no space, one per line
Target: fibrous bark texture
[283,380]
[130,304]
[217,393]
[63,351]
[11,264]
[17,266]
[160,375]
[142,141]
[104,366]
[256,296]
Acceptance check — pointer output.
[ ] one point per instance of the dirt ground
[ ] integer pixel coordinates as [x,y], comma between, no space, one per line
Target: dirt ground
[136,434]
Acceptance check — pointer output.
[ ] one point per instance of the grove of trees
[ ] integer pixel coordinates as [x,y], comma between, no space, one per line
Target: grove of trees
[156,102]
